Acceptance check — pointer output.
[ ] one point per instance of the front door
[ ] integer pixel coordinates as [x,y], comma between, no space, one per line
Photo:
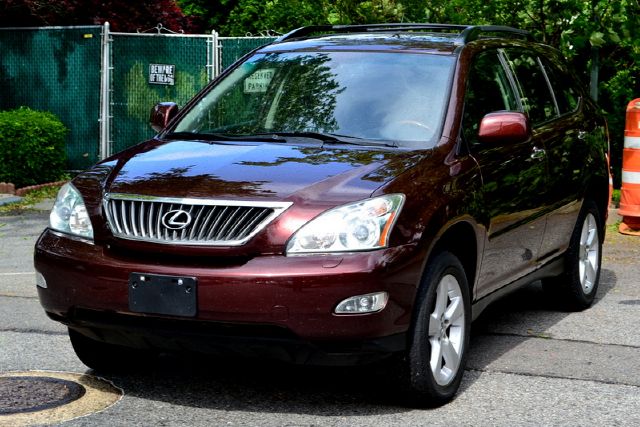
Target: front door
[513,179]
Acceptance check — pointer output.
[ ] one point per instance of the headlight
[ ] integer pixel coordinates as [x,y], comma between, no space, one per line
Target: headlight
[359,226]
[69,214]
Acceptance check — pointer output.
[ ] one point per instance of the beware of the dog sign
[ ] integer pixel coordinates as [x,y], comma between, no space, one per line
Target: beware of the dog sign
[162,74]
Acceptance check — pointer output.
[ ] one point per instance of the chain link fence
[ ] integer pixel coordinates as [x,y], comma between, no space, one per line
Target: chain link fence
[56,70]
[233,48]
[147,69]
[102,85]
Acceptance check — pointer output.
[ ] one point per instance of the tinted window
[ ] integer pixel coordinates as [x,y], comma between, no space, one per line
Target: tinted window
[488,90]
[537,100]
[375,96]
[563,87]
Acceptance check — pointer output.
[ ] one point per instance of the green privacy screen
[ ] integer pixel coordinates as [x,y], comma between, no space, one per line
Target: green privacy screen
[234,48]
[148,69]
[56,70]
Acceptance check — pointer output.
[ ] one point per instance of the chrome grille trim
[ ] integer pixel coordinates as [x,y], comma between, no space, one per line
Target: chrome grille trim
[213,222]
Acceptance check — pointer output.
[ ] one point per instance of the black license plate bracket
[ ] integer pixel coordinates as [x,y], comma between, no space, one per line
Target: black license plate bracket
[161,294]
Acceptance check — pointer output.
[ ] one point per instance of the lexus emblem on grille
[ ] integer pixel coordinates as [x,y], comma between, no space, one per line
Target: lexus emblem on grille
[176,219]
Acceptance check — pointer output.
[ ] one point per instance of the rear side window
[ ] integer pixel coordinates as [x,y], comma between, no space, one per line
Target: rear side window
[563,86]
[537,100]
[488,90]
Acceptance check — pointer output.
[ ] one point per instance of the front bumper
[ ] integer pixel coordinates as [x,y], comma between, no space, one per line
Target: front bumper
[270,300]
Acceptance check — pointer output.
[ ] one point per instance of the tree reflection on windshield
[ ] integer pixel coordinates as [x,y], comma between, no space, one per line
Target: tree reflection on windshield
[306,95]
[366,95]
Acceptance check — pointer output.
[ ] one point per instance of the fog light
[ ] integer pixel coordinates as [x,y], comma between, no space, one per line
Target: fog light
[40,281]
[369,303]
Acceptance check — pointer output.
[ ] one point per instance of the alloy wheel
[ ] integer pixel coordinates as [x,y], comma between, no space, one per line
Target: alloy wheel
[589,253]
[446,330]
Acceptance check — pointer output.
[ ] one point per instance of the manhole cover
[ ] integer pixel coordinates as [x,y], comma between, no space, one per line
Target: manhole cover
[31,398]
[29,394]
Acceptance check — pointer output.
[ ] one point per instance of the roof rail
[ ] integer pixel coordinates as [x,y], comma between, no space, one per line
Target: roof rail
[474,32]
[467,33]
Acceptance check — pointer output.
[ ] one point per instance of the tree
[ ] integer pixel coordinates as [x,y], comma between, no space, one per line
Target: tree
[120,14]
[208,14]
[242,17]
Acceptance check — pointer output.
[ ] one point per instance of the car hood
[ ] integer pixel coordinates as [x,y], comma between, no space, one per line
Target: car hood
[274,171]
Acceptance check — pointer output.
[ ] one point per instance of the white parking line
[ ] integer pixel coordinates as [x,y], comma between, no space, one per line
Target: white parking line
[17,274]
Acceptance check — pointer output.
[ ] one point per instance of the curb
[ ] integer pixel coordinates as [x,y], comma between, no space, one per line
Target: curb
[9,199]
[22,191]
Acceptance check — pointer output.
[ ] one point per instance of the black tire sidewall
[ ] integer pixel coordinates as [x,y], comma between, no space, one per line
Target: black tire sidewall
[105,357]
[422,383]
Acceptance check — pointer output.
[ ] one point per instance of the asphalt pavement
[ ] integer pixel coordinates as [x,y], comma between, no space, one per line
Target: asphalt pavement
[530,364]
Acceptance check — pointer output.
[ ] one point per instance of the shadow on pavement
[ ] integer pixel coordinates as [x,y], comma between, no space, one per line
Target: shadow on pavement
[263,386]
[256,385]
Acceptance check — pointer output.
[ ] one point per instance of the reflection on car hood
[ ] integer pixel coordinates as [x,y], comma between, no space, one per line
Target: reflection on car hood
[254,171]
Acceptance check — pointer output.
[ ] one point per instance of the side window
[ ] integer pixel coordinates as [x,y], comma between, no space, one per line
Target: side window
[488,90]
[537,100]
[563,86]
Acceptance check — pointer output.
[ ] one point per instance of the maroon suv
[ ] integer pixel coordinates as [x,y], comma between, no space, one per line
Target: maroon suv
[339,196]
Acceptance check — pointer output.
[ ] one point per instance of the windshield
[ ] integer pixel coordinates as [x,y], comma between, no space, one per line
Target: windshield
[392,97]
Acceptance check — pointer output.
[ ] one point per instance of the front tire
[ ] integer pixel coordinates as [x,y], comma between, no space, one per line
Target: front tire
[435,361]
[109,358]
[576,288]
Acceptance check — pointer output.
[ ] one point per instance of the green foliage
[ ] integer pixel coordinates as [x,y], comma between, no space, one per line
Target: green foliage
[596,36]
[615,198]
[32,147]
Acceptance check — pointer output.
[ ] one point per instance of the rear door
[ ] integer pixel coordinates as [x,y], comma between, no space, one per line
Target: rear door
[561,127]
[570,156]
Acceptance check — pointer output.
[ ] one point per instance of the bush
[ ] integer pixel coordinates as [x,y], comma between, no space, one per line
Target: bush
[32,147]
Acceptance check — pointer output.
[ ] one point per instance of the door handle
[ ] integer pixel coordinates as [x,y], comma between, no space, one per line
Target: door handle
[538,153]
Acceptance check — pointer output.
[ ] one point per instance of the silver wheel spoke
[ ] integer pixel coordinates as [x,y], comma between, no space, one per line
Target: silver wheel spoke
[446,330]
[441,299]
[451,357]
[436,357]
[591,235]
[584,233]
[590,273]
[455,310]
[434,325]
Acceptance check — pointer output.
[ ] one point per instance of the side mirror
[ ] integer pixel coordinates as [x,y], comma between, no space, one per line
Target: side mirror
[161,115]
[503,127]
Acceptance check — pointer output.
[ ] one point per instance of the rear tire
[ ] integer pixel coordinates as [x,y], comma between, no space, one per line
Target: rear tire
[433,365]
[576,288]
[104,357]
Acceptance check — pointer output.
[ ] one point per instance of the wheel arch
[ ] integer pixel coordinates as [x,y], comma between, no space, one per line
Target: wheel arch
[461,239]
[598,191]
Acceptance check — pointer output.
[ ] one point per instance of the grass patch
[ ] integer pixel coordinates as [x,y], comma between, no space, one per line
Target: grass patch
[615,198]
[613,228]
[31,198]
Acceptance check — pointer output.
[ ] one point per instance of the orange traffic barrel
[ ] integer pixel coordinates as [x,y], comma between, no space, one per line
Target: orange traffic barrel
[630,191]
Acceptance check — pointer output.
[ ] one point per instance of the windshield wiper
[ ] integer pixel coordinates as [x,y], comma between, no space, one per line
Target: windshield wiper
[329,138]
[212,136]
[325,138]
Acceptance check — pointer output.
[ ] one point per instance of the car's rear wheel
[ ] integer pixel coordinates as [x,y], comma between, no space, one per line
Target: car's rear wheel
[434,363]
[576,288]
[105,357]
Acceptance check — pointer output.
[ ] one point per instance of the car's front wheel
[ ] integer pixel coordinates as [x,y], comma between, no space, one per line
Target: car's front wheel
[105,357]
[435,361]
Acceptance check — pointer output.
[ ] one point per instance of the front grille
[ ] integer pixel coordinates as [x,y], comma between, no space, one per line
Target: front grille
[188,221]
